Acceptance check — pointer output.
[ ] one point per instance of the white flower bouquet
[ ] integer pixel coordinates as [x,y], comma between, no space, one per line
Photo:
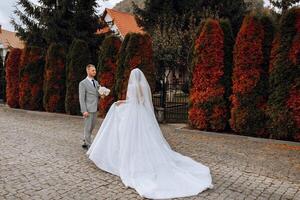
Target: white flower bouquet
[103,91]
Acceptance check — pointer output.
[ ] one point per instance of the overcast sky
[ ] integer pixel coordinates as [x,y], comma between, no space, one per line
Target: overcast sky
[7,7]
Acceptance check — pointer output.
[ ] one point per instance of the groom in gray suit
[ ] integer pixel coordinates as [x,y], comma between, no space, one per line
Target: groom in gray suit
[89,98]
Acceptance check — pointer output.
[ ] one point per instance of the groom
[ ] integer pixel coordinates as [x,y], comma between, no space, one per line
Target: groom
[88,98]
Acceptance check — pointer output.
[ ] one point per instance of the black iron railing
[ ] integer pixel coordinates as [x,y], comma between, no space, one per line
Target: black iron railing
[172,102]
[2,84]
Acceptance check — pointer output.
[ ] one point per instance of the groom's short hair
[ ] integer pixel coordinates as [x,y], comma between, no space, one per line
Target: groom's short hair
[89,66]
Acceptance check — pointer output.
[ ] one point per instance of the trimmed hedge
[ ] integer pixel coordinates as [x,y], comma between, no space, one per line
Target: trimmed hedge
[250,82]
[284,99]
[4,75]
[2,80]
[107,65]
[31,79]
[228,63]
[12,77]
[136,52]
[77,60]
[54,79]
[208,109]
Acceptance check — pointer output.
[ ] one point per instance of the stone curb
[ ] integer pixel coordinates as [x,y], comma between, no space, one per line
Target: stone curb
[6,107]
[183,129]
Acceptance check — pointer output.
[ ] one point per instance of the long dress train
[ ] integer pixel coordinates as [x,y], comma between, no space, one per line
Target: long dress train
[130,144]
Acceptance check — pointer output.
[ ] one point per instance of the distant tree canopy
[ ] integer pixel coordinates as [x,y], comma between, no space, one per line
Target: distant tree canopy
[283,5]
[257,5]
[58,21]
[154,9]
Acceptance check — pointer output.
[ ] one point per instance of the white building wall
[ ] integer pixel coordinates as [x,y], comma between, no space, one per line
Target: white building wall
[3,51]
[112,26]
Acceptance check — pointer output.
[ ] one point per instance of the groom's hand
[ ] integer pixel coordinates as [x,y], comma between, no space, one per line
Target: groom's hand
[85,114]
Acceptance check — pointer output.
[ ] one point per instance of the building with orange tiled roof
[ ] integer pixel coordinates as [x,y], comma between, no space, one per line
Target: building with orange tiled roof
[119,23]
[8,39]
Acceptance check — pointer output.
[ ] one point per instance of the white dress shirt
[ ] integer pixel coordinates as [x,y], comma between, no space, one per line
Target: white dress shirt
[90,79]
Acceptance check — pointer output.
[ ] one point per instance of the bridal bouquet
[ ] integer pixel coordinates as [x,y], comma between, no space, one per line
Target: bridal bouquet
[103,91]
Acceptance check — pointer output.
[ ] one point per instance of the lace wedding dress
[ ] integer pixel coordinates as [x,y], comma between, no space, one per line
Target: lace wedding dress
[130,144]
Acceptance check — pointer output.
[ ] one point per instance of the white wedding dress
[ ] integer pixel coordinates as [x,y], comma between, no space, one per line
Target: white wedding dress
[130,144]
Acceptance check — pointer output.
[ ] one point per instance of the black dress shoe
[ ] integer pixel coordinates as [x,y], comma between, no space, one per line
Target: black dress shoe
[85,146]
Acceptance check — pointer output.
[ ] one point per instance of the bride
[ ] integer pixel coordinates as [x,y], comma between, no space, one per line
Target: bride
[130,144]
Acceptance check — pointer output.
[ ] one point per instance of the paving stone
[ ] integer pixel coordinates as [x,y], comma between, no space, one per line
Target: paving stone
[41,158]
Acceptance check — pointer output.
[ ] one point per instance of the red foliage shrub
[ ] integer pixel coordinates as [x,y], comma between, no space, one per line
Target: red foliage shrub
[293,101]
[31,79]
[136,52]
[249,80]
[208,105]
[274,52]
[54,79]
[293,104]
[107,66]
[12,77]
[198,118]
[284,98]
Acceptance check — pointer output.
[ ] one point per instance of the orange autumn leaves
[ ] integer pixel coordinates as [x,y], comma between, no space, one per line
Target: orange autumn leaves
[293,101]
[248,56]
[31,79]
[208,108]
[136,52]
[107,70]
[12,78]
[274,52]
[248,98]
[284,96]
[294,53]
[117,59]
[51,86]
[265,99]
[54,79]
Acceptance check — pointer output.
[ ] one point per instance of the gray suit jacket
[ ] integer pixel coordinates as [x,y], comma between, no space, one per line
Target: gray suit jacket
[88,96]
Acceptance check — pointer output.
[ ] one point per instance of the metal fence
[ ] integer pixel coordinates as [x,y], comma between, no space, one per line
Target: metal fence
[2,85]
[171,103]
